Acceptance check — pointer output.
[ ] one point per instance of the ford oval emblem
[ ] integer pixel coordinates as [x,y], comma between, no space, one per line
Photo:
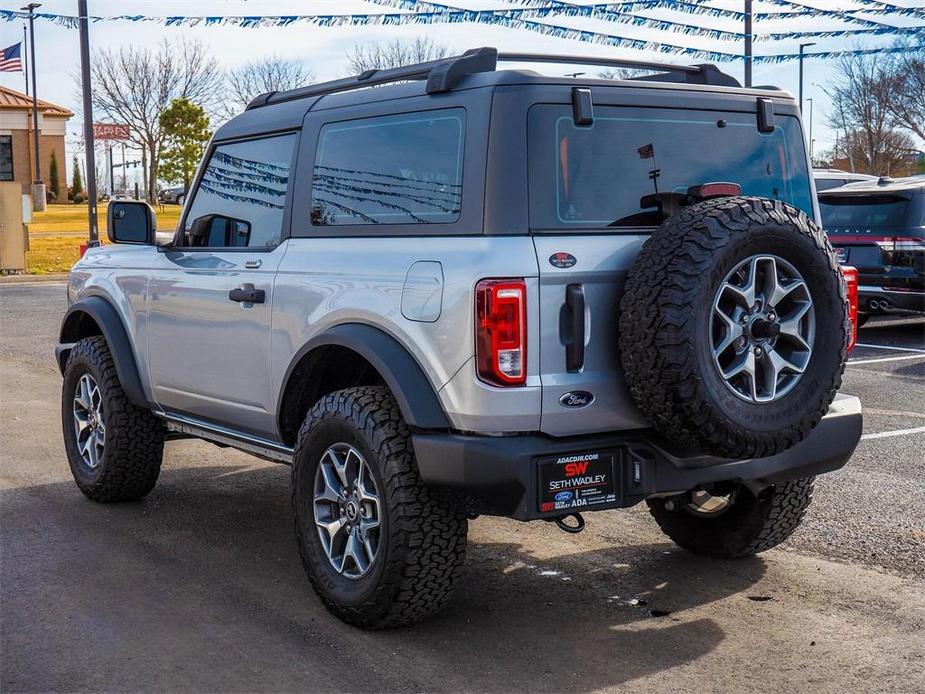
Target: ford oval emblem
[563,496]
[576,398]
[562,260]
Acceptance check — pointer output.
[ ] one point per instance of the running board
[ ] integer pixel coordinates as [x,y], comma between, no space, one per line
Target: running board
[220,436]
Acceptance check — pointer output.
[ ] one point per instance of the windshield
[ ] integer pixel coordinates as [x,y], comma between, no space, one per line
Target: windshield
[862,211]
[617,171]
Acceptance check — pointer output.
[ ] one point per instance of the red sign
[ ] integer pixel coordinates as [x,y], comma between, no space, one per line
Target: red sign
[110,131]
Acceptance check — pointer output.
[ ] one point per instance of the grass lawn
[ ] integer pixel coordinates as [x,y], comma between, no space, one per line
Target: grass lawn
[57,253]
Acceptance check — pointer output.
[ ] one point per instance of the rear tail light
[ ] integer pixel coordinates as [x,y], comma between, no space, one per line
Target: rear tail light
[851,280]
[501,331]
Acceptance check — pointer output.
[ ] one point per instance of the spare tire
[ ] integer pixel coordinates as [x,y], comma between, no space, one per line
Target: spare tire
[734,328]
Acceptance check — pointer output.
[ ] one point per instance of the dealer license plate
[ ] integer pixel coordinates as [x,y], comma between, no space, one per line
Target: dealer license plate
[577,481]
[841,254]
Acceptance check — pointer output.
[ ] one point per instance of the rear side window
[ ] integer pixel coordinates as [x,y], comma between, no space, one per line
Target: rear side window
[612,173]
[401,169]
[242,195]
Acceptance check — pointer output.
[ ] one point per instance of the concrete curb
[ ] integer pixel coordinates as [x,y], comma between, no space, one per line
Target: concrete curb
[32,279]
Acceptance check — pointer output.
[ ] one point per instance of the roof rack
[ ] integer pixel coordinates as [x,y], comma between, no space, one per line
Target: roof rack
[441,75]
[667,72]
[444,74]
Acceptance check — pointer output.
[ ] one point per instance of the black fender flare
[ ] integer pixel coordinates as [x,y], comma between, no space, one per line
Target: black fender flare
[104,314]
[413,391]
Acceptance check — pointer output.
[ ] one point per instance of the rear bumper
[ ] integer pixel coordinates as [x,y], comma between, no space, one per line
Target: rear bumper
[499,475]
[871,299]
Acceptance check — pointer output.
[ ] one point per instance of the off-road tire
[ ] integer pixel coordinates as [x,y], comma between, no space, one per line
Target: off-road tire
[749,526]
[423,541]
[134,448]
[665,319]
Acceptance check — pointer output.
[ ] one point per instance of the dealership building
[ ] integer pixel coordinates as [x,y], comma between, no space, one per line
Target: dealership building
[16,143]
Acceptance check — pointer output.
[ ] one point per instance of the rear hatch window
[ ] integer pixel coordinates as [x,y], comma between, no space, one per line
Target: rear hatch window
[852,214]
[607,175]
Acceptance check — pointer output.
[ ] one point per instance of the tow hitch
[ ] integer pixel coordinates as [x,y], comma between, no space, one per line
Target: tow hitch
[574,529]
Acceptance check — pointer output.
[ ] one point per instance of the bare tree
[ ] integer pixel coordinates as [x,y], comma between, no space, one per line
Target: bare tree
[861,93]
[133,85]
[905,90]
[271,74]
[382,56]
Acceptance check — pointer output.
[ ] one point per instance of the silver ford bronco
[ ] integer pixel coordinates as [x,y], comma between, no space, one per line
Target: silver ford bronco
[447,290]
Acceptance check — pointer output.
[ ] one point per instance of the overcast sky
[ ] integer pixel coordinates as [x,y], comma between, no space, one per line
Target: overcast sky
[323,48]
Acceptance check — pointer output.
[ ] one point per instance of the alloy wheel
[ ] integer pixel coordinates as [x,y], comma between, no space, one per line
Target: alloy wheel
[89,426]
[347,510]
[763,328]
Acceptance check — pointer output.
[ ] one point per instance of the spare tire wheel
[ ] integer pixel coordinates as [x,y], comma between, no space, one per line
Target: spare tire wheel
[733,327]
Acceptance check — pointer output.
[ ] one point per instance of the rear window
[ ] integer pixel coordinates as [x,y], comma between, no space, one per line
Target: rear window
[597,176]
[862,212]
[402,169]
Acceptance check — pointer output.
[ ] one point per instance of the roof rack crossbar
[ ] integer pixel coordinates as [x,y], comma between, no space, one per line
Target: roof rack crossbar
[441,75]
[696,74]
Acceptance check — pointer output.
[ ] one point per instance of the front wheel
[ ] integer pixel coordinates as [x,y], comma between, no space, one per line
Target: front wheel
[380,548]
[733,522]
[114,447]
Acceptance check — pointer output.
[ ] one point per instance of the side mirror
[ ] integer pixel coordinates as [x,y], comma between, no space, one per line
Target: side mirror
[131,221]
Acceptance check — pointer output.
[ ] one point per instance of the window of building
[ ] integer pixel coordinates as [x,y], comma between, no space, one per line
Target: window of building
[6,158]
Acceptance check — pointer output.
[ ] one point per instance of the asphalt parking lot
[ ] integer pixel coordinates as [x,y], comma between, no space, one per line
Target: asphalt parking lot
[199,587]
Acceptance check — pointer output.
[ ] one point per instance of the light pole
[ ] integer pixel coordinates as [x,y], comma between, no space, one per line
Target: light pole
[810,100]
[748,43]
[38,186]
[802,46]
[93,232]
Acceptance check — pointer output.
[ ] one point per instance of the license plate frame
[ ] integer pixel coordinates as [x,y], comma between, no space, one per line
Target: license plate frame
[578,481]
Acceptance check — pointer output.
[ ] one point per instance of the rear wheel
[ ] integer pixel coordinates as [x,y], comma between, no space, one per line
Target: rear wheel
[380,548]
[733,522]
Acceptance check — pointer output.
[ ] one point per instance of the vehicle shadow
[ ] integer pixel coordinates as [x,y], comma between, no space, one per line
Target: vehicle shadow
[199,587]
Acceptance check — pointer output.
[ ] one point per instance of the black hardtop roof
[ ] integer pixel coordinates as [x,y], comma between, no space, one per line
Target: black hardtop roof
[277,111]
[884,184]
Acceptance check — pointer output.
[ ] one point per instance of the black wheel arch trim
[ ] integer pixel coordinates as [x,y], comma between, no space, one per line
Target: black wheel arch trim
[104,314]
[401,372]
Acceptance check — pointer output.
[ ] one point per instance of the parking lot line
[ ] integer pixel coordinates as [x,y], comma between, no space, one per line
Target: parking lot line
[891,347]
[896,432]
[854,362]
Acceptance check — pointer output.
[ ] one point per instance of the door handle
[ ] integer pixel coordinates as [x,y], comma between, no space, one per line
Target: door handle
[247,294]
[575,341]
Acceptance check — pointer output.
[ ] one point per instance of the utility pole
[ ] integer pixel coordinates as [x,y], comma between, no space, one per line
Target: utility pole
[38,186]
[802,46]
[748,43]
[94,234]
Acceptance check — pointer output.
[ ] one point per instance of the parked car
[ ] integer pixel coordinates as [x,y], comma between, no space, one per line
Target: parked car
[478,291]
[172,196]
[827,179]
[879,228]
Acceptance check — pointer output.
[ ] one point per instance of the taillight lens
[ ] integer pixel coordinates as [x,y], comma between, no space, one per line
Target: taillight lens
[851,279]
[501,331]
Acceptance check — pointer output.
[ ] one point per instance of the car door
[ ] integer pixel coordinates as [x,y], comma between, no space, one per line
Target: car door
[209,303]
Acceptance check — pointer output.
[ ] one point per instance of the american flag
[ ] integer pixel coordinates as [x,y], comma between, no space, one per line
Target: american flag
[11,58]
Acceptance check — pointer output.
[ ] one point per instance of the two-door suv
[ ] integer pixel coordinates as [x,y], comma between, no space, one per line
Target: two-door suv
[447,290]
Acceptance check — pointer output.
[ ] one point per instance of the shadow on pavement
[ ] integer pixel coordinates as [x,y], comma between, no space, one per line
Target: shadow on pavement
[199,587]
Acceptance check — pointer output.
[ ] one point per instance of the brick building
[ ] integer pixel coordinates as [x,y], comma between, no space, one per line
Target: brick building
[16,146]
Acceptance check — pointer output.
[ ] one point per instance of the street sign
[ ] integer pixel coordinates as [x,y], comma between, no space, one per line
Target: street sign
[110,131]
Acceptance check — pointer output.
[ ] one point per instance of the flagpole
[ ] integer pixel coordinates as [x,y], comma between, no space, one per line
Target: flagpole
[38,186]
[25,60]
